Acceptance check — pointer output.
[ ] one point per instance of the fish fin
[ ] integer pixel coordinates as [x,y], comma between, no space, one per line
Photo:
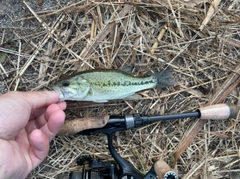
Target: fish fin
[133,97]
[164,78]
[127,69]
[100,101]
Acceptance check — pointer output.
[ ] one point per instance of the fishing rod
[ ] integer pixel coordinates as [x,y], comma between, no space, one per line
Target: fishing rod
[110,124]
[129,121]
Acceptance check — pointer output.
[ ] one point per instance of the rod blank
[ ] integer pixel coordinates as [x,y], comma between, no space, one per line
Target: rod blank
[174,116]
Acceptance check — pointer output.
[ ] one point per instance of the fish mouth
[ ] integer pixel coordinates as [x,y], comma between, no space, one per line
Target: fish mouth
[62,93]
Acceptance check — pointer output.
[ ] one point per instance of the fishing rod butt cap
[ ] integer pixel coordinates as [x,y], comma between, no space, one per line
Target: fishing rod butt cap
[234,110]
[164,171]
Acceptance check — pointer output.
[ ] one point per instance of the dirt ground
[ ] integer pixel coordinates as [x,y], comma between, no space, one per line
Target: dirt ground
[13,17]
[44,40]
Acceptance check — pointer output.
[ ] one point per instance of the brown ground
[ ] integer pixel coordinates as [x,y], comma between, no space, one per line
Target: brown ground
[58,38]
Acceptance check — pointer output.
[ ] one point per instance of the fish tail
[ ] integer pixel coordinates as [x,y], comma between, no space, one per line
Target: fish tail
[164,78]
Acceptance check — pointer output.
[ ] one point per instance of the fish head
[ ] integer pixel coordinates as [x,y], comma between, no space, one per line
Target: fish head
[75,89]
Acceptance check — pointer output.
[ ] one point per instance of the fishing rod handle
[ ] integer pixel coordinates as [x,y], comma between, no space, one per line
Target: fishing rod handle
[77,125]
[219,111]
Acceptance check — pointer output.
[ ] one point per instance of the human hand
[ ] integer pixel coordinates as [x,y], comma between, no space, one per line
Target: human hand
[28,122]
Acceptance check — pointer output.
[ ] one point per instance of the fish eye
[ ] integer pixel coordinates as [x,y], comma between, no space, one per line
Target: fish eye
[65,83]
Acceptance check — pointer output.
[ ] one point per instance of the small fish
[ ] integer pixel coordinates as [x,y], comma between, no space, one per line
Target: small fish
[101,85]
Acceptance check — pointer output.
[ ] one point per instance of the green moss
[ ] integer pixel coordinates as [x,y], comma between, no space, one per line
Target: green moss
[3,57]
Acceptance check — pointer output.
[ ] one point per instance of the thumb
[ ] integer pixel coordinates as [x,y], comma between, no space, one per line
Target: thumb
[39,147]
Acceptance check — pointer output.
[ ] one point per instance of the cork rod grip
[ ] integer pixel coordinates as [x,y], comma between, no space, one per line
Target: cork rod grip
[219,111]
[74,126]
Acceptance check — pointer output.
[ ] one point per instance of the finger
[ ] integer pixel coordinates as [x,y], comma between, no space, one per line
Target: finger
[35,99]
[42,119]
[17,107]
[35,124]
[41,98]
[39,147]
[62,105]
[55,119]
[37,112]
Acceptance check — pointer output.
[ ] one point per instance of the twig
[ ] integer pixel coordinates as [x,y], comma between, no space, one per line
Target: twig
[18,62]
[177,22]
[4,71]
[3,35]
[210,12]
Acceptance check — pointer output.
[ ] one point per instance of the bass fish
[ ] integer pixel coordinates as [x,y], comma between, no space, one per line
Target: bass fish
[101,85]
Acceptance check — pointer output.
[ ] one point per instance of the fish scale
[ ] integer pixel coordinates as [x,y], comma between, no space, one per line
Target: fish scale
[117,79]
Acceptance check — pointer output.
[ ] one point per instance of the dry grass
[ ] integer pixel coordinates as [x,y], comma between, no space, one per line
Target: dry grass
[150,35]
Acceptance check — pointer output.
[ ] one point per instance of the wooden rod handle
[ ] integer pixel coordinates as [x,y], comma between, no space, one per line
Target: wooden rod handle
[219,111]
[74,126]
